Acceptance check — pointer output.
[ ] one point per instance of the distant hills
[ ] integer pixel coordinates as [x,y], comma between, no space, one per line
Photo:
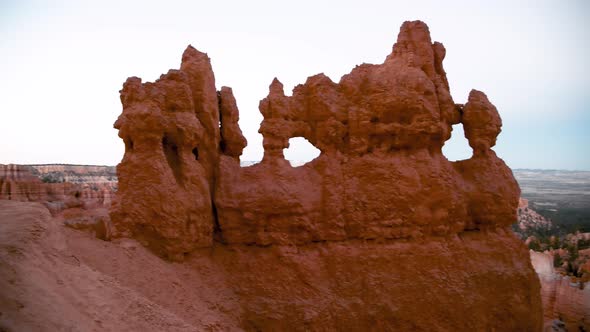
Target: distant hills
[560,195]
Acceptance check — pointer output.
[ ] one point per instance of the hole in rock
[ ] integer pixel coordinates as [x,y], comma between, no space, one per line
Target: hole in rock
[248,163]
[300,151]
[457,147]
[253,152]
[128,143]
[172,157]
[196,153]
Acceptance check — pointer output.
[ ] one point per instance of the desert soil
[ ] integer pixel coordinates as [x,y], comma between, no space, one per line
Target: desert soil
[57,279]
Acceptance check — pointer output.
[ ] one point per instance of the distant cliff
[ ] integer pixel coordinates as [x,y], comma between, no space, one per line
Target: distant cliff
[74,173]
[59,186]
[563,298]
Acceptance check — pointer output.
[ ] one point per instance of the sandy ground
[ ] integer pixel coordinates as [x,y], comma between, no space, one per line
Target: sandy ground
[56,279]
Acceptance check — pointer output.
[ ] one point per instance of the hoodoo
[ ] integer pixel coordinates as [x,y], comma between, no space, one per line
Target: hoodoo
[381,231]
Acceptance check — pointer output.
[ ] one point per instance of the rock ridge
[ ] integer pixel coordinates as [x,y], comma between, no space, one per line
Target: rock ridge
[380,174]
[380,192]
[58,182]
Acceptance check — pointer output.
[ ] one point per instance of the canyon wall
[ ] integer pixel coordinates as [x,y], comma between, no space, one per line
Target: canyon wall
[562,298]
[59,186]
[19,184]
[380,230]
[75,173]
[529,219]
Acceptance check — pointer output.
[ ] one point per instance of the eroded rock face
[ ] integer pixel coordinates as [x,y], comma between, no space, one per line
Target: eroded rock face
[529,219]
[17,183]
[58,186]
[171,134]
[381,177]
[78,194]
[562,298]
[381,173]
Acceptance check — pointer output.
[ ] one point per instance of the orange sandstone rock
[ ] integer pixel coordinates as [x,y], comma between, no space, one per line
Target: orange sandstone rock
[17,183]
[23,183]
[381,177]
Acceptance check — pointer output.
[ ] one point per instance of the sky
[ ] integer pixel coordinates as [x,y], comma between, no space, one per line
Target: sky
[62,64]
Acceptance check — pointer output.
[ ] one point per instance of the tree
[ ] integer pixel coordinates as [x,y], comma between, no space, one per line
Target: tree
[534,245]
[557,260]
[572,250]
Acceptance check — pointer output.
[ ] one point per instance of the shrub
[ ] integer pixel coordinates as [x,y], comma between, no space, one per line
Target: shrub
[557,260]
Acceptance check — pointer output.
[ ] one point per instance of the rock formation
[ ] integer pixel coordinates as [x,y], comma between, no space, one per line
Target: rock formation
[562,298]
[19,184]
[58,186]
[344,228]
[529,219]
[78,194]
[91,174]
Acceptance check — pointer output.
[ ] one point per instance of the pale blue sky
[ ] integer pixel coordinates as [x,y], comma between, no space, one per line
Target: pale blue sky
[63,62]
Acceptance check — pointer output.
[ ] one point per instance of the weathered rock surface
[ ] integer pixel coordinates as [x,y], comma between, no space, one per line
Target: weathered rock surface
[529,218]
[171,134]
[19,184]
[352,221]
[75,173]
[81,194]
[562,298]
[59,186]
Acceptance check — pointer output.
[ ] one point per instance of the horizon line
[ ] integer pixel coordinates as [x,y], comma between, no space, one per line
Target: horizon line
[258,161]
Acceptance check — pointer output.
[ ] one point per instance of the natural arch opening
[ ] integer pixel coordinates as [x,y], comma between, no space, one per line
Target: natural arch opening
[300,151]
[457,147]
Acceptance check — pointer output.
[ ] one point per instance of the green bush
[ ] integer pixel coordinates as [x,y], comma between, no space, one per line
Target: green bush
[50,178]
[557,260]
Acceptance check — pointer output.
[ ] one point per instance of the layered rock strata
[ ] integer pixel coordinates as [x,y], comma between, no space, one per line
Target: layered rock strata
[562,298]
[529,219]
[58,186]
[381,185]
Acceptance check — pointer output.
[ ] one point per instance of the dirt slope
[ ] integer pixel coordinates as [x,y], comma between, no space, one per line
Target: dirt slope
[56,279]
[53,278]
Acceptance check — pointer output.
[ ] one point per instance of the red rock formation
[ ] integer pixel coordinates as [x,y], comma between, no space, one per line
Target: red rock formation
[23,183]
[19,184]
[381,177]
[562,298]
[171,125]
[529,219]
